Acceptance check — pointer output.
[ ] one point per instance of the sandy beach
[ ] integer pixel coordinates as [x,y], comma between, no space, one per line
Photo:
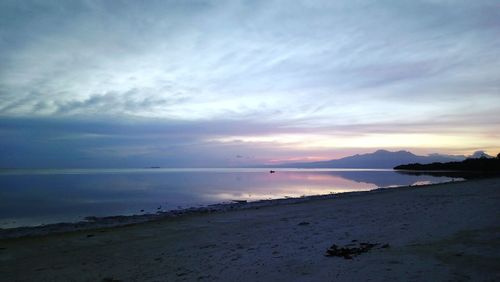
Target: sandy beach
[444,232]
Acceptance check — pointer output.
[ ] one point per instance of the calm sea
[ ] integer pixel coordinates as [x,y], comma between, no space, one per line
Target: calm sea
[35,197]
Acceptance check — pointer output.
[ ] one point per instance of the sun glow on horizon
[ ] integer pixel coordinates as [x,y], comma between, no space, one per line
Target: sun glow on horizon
[450,142]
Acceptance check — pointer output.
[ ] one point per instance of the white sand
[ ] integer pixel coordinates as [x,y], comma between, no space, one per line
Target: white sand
[436,233]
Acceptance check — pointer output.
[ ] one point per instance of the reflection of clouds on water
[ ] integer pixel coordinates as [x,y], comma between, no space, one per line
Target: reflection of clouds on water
[297,184]
[288,191]
[34,198]
[285,184]
[421,183]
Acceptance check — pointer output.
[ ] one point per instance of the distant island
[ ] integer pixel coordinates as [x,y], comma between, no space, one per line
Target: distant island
[380,159]
[483,164]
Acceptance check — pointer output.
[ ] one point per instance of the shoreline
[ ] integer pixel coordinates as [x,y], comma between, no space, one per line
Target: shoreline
[93,222]
[442,232]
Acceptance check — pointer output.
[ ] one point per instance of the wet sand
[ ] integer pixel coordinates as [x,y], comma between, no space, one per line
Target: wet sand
[431,233]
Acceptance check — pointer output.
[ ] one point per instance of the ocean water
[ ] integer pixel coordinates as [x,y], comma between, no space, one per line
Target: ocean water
[36,197]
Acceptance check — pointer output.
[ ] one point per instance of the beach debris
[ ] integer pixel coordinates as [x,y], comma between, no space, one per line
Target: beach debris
[272,171]
[303,223]
[350,250]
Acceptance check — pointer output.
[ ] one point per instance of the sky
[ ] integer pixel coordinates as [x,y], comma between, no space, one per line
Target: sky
[233,83]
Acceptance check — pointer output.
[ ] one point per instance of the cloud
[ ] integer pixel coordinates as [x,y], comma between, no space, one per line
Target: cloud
[221,69]
[234,56]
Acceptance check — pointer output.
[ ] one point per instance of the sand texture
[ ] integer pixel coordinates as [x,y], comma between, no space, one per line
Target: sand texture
[428,233]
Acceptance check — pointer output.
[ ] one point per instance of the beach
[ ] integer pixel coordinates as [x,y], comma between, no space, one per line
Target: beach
[436,232]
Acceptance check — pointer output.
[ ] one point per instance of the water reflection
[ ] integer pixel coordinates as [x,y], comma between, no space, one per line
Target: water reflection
[34,197]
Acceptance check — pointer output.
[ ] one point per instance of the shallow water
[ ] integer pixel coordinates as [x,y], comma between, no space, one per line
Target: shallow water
[34,197]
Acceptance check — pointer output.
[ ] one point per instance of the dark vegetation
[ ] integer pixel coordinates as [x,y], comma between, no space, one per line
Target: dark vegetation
[488,165]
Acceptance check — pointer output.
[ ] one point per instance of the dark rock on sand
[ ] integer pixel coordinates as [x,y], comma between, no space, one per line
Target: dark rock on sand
[348,252]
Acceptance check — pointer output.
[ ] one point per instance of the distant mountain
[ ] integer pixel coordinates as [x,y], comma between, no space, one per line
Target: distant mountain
[378,159]
[480,154]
